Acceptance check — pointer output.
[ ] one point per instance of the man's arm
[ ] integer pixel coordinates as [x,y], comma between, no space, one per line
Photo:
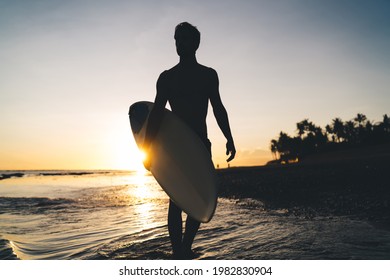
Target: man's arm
[221,116]
[155,118]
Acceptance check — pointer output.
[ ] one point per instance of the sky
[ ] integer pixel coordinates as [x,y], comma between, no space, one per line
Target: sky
[69,70]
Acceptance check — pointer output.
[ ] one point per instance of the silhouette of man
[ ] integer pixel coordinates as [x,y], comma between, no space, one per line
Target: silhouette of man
[188,87]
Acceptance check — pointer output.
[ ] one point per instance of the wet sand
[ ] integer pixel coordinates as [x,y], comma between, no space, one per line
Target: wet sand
[359,188]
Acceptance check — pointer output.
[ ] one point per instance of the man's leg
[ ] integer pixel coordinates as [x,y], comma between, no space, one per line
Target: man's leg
[192,227]
[175,228]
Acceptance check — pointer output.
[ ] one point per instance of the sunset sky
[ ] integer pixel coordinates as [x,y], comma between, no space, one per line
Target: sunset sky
[69,70]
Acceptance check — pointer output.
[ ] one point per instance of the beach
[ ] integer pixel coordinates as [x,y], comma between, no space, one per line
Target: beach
[358,188]
[323,210]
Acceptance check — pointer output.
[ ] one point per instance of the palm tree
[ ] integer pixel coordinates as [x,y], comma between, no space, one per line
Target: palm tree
[312,138]
[288,147]
[360,119]
[274,148]
[338,129]
[329,130]
[350,132]
[381,131]
[386,124]
[302,127]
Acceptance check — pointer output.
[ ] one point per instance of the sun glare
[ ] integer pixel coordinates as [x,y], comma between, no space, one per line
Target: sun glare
[128,157]
[141,155]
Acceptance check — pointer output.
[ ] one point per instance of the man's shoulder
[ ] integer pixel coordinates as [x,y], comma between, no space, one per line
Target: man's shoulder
[169,72]
[164,75]
[208,73]
[201,67]
[207,69]
[172,72]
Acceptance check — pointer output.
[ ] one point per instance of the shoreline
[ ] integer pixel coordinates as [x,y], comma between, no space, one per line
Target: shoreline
[358,188]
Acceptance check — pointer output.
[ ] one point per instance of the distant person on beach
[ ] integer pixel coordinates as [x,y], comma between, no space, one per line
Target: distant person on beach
[188,87]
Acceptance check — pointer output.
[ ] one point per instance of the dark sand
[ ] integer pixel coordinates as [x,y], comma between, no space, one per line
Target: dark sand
[356,187]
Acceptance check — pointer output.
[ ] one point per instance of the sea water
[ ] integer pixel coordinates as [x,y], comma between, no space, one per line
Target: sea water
[123,215]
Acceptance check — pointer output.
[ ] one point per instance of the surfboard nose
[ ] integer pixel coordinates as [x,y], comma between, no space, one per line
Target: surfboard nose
[138,114]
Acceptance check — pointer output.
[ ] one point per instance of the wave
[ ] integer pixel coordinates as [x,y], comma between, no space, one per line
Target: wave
[15,174]
[4,176]
[33,205]
[6,251]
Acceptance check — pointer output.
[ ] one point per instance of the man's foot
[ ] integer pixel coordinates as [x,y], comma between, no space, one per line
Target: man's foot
[177,254]
[188,254]
[184,255]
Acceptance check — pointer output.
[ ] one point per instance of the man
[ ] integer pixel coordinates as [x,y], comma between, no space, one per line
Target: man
[188,87]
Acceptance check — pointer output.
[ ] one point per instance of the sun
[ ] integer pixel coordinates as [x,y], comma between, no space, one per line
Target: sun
[137,161]
[128,157]
[142,155]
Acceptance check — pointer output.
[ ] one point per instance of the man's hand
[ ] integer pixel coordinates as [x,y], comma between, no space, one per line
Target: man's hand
[230,149]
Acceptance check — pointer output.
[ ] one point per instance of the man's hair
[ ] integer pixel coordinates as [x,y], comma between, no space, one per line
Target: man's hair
[190,30]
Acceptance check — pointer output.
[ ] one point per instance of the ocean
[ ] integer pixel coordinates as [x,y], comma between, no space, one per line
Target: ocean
[98,215]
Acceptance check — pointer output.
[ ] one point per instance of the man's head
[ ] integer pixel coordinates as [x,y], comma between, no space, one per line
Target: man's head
[187,39]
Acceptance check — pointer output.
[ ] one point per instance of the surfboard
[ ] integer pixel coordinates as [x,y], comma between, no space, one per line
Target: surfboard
[181,163]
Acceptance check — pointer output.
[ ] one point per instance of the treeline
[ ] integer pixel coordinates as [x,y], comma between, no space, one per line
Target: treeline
[311,139]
